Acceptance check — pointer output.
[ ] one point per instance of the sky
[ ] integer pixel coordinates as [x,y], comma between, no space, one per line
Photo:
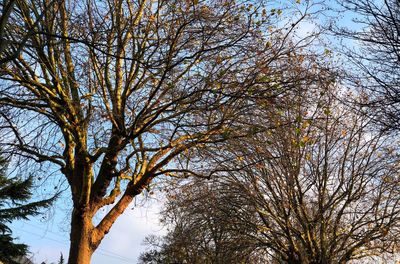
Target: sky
[123,244]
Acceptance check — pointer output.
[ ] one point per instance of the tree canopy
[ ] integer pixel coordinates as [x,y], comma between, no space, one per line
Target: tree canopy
[115,93]
[322,187]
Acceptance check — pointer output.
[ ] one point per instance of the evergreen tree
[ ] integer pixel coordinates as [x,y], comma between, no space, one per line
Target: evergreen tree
[61,260]
[14,194]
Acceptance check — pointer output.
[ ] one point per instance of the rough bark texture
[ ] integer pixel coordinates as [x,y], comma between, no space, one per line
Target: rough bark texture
[81,249]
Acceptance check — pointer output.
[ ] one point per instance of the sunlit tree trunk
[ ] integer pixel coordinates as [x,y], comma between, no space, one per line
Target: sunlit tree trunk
[81,247]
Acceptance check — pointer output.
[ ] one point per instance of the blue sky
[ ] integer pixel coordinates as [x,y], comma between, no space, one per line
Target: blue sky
[123,244]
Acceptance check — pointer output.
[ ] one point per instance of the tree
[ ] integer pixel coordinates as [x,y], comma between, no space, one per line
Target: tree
[113,92]
[14,194]
[6,10]
[201,230]
[205,225]
[322,187]
[375,53]
[12,42]
[61,260]
[326,189]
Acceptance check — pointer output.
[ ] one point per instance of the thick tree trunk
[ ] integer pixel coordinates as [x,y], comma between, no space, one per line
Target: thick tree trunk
[81,247]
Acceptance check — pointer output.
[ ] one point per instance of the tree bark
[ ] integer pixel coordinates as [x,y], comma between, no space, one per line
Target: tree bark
[81,248]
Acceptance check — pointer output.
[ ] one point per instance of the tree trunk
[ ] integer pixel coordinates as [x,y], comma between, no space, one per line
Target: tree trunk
[81,248]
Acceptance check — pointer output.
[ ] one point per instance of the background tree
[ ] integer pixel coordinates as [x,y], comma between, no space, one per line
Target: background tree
[326,189]
[112,92]
[14,194]
[201,230]
[375,52]
[61,260]
[321,187]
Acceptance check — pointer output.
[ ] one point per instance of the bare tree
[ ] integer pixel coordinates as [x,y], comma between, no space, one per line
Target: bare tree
[113,92]
[202,229]
[375,52]
[326,189]
[6,10]
[321,187]
[11,41]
